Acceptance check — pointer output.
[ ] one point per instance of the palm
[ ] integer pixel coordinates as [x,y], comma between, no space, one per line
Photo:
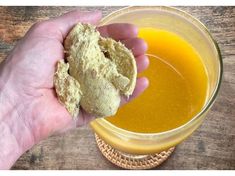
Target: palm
[35,73]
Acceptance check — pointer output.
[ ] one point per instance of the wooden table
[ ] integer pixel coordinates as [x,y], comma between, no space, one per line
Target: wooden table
[212,146]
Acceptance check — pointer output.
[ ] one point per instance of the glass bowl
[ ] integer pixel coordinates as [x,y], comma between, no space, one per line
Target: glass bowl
[195,33]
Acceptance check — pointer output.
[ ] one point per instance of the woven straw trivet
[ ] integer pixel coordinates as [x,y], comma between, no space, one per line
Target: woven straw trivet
[128,161]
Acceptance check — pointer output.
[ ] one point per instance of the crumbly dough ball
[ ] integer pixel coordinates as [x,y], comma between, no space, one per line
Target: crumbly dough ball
[99,71]
[67,88]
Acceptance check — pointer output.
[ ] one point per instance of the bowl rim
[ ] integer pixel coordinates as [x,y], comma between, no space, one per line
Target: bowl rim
[204,29]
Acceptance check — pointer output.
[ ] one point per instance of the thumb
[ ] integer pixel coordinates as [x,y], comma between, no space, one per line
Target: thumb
[68,20]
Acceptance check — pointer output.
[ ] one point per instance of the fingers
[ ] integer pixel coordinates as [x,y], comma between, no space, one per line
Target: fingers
[136,45]
[142,63]
[127,33]
[118,31]
[141,85]
[68,20]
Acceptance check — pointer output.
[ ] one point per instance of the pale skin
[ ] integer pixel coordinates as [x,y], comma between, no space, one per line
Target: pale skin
[29,108]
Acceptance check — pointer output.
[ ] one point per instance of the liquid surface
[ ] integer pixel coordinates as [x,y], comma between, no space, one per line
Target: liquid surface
[177,90]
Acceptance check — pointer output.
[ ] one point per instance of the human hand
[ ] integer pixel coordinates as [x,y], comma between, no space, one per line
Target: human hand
[31,110]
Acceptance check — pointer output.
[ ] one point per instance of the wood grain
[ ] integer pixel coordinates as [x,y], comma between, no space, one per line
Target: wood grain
[212,146]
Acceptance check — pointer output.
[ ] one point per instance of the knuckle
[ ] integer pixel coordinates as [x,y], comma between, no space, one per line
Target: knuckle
[41,26]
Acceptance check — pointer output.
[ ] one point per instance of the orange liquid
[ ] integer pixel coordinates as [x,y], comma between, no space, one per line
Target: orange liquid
[177,90]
